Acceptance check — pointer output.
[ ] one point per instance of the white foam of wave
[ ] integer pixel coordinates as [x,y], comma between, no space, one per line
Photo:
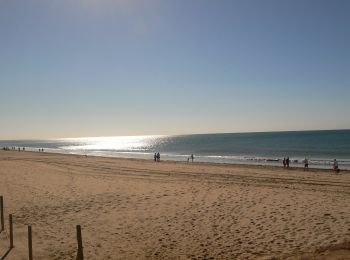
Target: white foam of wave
[296,162]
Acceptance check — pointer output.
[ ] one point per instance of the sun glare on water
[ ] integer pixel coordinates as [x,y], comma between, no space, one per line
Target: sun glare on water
[118,143]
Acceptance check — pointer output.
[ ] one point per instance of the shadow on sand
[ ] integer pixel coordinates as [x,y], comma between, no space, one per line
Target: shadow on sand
[6,254]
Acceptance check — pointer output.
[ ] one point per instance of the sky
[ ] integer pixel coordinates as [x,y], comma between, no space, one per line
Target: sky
[71,68]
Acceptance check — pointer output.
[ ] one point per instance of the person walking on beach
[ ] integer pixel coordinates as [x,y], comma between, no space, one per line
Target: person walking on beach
[306,164]
[158,157]
[335,166]
[287,162]
[155,157]
[192,157]
[284,162]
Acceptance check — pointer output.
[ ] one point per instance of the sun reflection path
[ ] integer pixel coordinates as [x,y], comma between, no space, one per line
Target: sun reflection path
[116,143]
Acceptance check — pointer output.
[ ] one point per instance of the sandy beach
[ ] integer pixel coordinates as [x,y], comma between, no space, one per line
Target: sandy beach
[138,209]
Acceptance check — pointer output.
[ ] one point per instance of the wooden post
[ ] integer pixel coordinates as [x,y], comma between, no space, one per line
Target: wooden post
[11,231]
[2,213]
[80,255]
[30,247]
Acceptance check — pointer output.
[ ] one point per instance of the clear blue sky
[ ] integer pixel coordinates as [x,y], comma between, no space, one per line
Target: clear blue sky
[71,68]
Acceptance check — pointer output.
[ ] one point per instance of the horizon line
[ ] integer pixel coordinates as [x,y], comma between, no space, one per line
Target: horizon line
[159,135]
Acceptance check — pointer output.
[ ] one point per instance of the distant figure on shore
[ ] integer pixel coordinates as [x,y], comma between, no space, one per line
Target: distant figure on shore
[284,162]
[192,157]
[19,149]
[155,157]
[158,157]
[335,166]
[306,164]
[287,162]
[24,148]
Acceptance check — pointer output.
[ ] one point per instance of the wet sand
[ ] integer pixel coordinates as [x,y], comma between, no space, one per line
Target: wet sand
[138,209]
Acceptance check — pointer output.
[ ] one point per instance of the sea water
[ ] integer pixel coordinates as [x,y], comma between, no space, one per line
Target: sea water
[266,148]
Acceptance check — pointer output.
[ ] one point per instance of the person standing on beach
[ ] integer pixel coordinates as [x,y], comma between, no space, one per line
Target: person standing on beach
[192,157]
[306,164]
[158,157]
[335,166]
[155,157]
[287,162]
[284,162]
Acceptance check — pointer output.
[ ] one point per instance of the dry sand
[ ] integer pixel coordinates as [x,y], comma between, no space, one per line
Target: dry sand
[137,209]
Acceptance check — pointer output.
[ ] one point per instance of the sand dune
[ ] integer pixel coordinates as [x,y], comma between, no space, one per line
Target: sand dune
[137,209]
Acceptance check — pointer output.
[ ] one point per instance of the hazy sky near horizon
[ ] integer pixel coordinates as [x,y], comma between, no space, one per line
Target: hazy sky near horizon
[71,68]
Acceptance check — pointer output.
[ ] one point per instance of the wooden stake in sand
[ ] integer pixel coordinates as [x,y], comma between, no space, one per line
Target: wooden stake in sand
[80,255]
[30,248]
[11,231]
[2,213]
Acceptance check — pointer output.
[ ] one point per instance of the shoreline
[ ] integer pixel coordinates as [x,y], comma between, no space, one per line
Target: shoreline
[261,148]
[245,164]
[138,209]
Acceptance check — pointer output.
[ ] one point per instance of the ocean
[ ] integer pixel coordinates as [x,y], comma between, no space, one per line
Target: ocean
[264,148]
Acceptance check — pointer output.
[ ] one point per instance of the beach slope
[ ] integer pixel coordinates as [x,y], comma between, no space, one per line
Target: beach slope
[138,209]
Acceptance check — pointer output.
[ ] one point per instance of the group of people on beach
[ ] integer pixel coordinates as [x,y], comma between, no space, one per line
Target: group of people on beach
[190,158]
[157,157]
[286,162]
[13,148]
